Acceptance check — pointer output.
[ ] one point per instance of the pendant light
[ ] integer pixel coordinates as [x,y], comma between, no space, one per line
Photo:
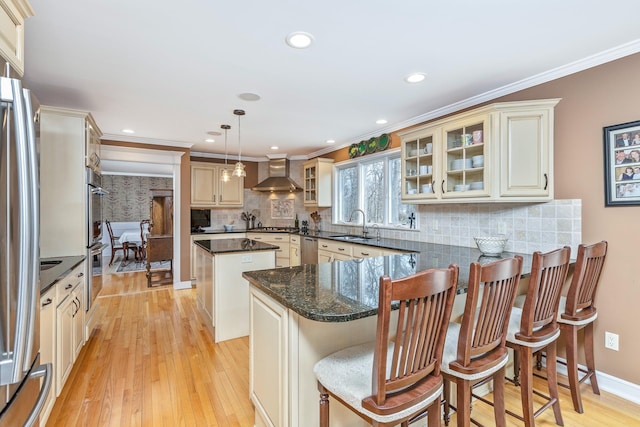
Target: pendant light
[225,175]
[239,168]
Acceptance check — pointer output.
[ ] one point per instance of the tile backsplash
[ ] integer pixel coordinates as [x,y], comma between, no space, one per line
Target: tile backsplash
[529,226]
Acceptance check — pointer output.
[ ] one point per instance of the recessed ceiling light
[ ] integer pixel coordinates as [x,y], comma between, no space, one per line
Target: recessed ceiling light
[214,133]
[331,141]
[274,147]
[381,122]
[415,77]
[299,40]
[127,130]
[248,96]
[209,140]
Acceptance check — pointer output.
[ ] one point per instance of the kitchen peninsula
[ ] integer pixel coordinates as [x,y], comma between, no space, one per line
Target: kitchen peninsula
[302,314]
[222,293]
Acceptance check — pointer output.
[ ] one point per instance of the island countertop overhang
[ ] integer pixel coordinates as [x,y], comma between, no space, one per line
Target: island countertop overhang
[348,290]
[224,246]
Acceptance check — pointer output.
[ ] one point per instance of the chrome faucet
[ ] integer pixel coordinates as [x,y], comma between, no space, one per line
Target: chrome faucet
[364,221]
[377,230]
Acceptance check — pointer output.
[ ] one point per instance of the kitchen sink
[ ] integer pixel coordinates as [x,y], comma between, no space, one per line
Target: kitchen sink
[349,237]
[45,265]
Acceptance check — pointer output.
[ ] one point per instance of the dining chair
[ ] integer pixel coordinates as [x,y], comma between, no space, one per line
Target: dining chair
[534,328]
[475,350]
[117,246]
[395,378]
[142,250]
[577,311]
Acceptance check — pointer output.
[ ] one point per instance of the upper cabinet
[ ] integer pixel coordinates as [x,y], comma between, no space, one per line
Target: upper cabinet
[500,152]
[317,182]
[64,139]
[209,191]
[93,134]
[12,16]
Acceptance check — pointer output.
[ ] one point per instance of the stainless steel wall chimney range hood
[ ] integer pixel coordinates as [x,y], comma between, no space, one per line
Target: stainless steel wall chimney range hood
[278,180]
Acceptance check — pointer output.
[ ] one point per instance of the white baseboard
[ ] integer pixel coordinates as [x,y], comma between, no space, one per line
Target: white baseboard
[182,285]
[617,386]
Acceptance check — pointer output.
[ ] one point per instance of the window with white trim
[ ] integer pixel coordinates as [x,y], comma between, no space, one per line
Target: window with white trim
[373,184]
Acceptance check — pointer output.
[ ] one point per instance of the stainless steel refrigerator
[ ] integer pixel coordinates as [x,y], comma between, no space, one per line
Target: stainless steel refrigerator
[24,383]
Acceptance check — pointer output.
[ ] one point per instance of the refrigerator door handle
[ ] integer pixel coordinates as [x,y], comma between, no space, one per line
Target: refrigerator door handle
[46,371]
[32,347]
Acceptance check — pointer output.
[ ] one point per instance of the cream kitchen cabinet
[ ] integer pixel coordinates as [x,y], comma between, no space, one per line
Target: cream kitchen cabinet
[502,152]
[331,250]
[48,345]
[69,323]
[294,250]
[279,239]
[13,13]
[208,190]
[93,134]
[63,180]
[208,236]
[317,182]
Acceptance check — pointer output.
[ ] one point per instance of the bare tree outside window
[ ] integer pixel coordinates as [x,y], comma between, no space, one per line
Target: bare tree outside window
[374,190]
[399,212]
[375,187]
[348,185]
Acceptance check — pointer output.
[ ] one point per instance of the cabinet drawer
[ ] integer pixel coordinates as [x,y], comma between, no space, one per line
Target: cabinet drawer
[363,251]
[294,239]
[336,247]
[65,286]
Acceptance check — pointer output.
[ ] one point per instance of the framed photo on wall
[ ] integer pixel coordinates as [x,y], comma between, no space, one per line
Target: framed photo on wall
[622,164]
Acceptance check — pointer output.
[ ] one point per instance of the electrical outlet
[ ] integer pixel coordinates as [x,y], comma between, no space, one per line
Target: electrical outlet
[245,258]
[611,340]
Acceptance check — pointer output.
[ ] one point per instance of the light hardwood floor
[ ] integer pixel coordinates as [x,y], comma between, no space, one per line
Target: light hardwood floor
[152,362]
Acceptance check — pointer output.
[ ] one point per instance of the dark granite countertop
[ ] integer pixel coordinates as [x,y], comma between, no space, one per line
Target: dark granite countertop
[220,231]
[348,290]
[50,276]
[222,246]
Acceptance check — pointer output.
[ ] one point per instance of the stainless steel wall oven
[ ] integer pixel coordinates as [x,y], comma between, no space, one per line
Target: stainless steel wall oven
[95,196]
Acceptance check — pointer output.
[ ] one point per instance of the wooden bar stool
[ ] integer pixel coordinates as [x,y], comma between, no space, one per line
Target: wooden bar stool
[397,377]
[533,328]
[577,311]
[475,349]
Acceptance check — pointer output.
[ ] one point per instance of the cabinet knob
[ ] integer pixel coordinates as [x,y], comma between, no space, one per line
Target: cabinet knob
[80,274]
[47,302]
[69,286]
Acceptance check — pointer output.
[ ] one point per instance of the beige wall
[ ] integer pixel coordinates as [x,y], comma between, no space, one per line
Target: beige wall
[592,99]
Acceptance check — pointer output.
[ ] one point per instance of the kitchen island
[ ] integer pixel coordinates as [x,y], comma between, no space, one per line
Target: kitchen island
[222,292]
[301,314]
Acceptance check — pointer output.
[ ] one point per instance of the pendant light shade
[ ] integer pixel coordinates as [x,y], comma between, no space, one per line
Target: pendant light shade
[239,168]
[225,175]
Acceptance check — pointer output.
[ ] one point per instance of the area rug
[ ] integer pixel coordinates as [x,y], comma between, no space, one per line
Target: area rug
[127,266]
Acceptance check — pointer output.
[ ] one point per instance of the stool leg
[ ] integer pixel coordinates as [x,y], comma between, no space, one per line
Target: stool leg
[324,407]
[571,337]
[526,389]
[552,381]
[588,353]
[516,367]
[463,411]
[498,398]
[447,397]
[433,413]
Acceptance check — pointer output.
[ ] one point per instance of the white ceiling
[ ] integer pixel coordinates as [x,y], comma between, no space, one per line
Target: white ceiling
[172,71]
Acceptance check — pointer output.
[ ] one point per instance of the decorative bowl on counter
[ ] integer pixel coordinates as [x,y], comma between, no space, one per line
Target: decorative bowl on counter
[228,227]
[491,246]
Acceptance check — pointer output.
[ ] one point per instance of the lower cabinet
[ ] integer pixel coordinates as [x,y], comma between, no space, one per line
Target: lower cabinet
[209,236]
[294,250]
[69,321]
[48,345]
[279,239]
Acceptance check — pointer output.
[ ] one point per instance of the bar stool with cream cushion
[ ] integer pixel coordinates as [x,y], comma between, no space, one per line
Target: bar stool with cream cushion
[397,377]
[533,328]
[475,349]
[577,311]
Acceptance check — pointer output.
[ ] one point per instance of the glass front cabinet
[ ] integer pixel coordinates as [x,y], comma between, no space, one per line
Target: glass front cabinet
[459,158]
